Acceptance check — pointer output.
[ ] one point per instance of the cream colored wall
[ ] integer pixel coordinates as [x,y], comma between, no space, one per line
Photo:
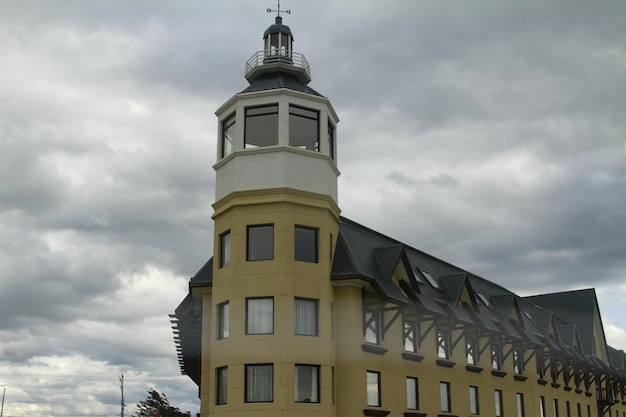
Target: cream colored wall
[283,278]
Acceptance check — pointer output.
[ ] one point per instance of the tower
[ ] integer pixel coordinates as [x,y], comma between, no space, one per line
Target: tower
[267,345]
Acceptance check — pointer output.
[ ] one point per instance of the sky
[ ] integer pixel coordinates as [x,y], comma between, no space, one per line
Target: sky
[489,133]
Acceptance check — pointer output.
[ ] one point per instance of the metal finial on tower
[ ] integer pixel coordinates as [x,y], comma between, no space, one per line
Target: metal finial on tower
[278,10]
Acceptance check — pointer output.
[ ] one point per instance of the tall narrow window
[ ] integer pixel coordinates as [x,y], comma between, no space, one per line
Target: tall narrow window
[444,397]
[473,395]
[259,383]
[498,404]
[304,128]
[496,356]
[228,136]
[520,405]
[518,361]
[542,406]
[260,315]
[221,385]
[224,249]
[373,389]
[371,322]
[331,139]
[261,126]
[579,410]
[307,384]
[412,393]
[410,342]
[442,344]
[556,407]
[568,409]
[305,244]
[306,316]
[470,350]
[260,242]
[223,316]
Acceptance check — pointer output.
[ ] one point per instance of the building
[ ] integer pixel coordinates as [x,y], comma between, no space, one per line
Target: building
[303,312]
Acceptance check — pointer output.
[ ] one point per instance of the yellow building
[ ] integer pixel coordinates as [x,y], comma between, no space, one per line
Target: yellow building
[303,312]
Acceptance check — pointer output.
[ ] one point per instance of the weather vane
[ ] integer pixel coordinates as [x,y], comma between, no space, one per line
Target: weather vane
[278,10]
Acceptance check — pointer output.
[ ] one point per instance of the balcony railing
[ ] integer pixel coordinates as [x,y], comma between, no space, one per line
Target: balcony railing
[295,59]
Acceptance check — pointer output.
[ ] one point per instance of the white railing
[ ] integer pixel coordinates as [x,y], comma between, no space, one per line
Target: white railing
[276,56]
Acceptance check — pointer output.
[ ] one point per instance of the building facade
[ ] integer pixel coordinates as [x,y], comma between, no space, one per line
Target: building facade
[301,311]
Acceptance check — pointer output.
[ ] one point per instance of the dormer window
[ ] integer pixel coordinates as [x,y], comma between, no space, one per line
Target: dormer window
[261,126]
[304,128]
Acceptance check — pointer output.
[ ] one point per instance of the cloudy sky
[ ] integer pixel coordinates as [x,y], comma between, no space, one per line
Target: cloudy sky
[491,134]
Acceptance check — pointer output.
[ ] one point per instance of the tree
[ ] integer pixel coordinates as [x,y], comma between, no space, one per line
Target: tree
[157,401]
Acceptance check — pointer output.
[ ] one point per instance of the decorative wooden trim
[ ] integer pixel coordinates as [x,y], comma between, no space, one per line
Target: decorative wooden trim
[498,373]
[445,363]
[373,349]
[375,413]
[542,381]
[412,357]
[473,368]
[519,377]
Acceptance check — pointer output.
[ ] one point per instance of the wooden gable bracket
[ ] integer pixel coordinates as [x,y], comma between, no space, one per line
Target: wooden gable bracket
[456,341]
[506,354]
[481,349]
[380,307]
[396,313]
[531,353]
[421,335]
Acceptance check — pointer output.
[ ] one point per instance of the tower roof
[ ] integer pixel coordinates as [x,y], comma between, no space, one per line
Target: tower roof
[278,27]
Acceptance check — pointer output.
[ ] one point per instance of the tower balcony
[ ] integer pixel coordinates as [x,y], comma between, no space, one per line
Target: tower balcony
[268,61]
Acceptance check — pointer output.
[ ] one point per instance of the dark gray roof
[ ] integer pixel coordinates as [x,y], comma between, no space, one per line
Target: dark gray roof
[275,80]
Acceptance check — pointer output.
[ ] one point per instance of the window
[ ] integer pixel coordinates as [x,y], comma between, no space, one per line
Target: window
[228,136]
[224,249]
[579,411]
[260,315]
[305,316]
[373,389]
[556,408]
[412,394]
[261,126]
[442,344]
[568,410]
[473,396]
[430,279]
[371,326]
[259,383]
[307,384]
[305,244]
[410,342]
[498,399]
[331,139]
[541,369]
[542,406]
[223,314]
[221,385]
[520,405]
[470,350]
[518,361]
[496,356]
[444,396]
[304,128]
[260,242]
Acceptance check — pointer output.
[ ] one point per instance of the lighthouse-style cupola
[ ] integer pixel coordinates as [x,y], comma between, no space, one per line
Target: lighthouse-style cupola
[276,214]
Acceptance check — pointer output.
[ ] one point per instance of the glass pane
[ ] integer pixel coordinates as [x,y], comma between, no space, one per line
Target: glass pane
[260,243]
[259,383]
[444,397]
[409,336]
[411,393]
[260,316]
[224,249]
[222,385]
[498,399]
[331,139]
[305,244]
[303,128]
[228,136]
[261,126]
[224,313]
[371,331]
[305,317]
[307,384]
[473,400]
[373,387]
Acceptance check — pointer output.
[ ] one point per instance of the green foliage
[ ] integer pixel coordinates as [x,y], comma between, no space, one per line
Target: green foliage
[157,401]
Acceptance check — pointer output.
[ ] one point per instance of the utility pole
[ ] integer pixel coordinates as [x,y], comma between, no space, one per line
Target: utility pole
[4,391]
[122,388]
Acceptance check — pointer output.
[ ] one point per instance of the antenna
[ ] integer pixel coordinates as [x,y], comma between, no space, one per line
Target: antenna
[4,391]
[278,10]
[122,388]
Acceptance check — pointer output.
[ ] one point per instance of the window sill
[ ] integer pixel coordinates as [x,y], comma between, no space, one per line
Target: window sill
[473,368]
[567,388]
[588,394]
[555,385]
[445,363]
[373,349]
[498,373]
[412,357]
[578,391]
[446,415]
[414,414]
[542,381]
[519,377]
[375,413]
